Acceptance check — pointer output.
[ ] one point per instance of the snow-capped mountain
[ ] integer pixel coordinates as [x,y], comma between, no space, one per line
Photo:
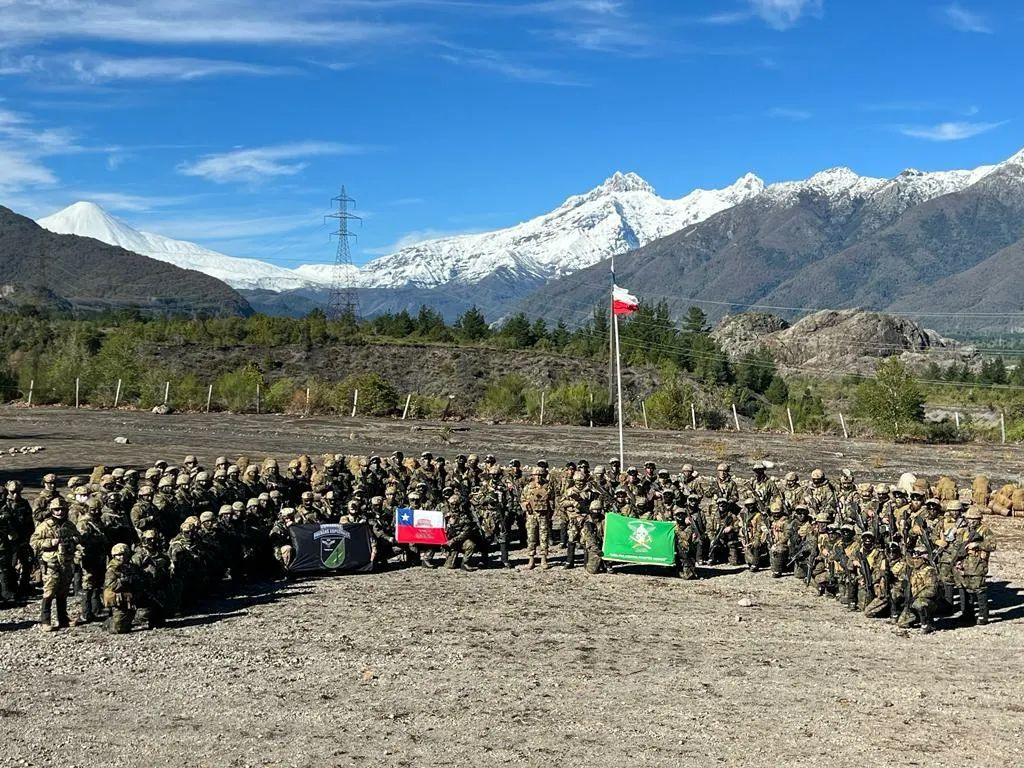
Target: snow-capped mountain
[90,220]
[621,214]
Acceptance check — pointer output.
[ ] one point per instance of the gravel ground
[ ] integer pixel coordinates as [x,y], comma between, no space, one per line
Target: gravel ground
[417,667]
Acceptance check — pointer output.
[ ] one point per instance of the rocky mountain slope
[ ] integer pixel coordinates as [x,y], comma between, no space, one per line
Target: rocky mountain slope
[919,243]
[41,268]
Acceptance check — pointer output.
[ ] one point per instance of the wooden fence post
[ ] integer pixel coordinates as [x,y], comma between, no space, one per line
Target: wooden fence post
[789,414]
[77,381]
[355,402]
[307,402]
[31,386]
[542,407]
[846,435]
[643,407]
[405,411]
[209,397]
[1002,425]
[167,392]
[257,398]
[735,417]
[117,393]
[956,415]
[693,417]
[591,410]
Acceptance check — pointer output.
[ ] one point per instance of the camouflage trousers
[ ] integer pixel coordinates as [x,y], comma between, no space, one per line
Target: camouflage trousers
[57,581]
[593,547]
[538,532]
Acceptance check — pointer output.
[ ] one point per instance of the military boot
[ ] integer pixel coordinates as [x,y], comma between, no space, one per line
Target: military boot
[776,565]
[570,555]
[563,536]
[734,555]
[529,563]
[450,561]
[465,564]
[504,555]
[981,598]
[6,593]
[851,596]
[926,622]
[84,608]
[62,613]
[966,607]
[44,614]
[949,598]
[544,562]
[98,611]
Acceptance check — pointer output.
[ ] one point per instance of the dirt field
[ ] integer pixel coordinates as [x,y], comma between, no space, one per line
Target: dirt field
[416,667]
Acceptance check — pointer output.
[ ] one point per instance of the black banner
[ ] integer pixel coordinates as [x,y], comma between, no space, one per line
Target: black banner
[330,548]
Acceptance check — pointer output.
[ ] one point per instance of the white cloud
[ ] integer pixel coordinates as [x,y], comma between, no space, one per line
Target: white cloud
[263,162]
[190,21]
[18,172]
[965,21]
[90,68]
[787,113]
[510,67]
[783,14]
[951,131]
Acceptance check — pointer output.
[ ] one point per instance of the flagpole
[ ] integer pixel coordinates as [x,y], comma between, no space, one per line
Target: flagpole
[618,378]
[611,337]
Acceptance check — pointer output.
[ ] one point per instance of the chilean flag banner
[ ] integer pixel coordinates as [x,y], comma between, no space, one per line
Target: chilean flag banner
[420,526]
[623,302]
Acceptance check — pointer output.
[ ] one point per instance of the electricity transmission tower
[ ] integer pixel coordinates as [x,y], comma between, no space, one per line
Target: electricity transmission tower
[343,300]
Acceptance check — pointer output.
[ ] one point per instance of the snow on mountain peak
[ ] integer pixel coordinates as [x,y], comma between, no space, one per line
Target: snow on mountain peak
[626,182]
[90,220]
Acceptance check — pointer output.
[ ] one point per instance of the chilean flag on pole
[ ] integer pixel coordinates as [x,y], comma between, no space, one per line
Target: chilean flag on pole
[420,526]
[623,302]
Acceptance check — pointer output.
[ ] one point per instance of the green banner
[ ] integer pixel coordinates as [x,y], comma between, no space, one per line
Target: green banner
[639,541]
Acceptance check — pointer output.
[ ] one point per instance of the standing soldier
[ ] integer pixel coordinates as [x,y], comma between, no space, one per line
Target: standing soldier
[491,508]
[724,486]
[593,537]
[762,487]
[924,591]
[91,557]
[792,491]
[54,542]
[821,494]
[153,568]
[119,590]
[976,543]
[538,501]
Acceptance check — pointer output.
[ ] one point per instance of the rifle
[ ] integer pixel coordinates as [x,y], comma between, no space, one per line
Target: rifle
[714,542]
[869,585]
[928,545]
[812,557]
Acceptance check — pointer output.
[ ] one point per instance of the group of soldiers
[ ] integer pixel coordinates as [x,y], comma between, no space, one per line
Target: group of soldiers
[141,545]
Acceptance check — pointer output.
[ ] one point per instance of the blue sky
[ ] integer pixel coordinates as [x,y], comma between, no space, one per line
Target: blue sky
[233,123]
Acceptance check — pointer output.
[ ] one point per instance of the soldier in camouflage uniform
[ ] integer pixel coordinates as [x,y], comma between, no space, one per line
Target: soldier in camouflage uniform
[723,486]
[781,535]
[687,542]
[461,530]
[55,541]
[91,557]
[538,502]
[491,508]
[752,526]
[153,568]
[924,590]
[592,533]
[186,566]
[975,544]
[120,590]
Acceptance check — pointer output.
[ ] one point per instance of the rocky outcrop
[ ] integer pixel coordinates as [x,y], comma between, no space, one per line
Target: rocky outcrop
[838,342]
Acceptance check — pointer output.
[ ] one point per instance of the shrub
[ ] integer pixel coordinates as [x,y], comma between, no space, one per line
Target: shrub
[376,396]
[505,399]
[669,406]
[236,390]
[281,397]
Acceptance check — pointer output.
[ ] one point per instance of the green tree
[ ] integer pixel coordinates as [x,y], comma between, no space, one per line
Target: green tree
[892,401]
[472,326]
